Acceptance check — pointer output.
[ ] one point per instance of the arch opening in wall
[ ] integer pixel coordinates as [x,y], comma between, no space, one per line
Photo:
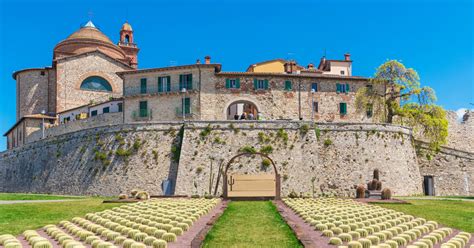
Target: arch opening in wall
[96,83]
[251,186]
[237,109]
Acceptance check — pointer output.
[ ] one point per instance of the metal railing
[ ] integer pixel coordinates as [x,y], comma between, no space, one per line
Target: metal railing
[154,89]
[142,115]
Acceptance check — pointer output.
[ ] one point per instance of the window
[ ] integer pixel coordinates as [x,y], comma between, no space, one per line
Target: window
[315,107]
[187,105]
[42,73]
[342,72]
[67,119]
[260,84]
[342,88]
[370,87]
[288,85]
[143,109]
[120,107]
[96,83]
[93,112]
[143,86]
[186,81]
[369,110]
[106,110]
[232,83]
[314,87]
[164,84]
[343,108]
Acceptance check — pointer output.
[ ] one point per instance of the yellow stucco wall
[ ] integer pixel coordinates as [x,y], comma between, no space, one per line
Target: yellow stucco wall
[273,66]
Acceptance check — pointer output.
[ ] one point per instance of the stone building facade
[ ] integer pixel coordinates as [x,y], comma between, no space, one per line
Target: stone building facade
[210,94]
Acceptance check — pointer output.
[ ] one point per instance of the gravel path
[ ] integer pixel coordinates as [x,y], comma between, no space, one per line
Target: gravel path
[35,201]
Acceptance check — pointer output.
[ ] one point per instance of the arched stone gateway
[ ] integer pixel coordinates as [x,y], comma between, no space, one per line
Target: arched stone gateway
[237,107]
[258,183]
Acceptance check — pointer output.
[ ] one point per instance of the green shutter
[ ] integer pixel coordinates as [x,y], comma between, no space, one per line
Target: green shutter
[265,83]
[347,88]
[168,84]
[181,78]
[187,105]
[227,83]
[288,85]
[190,82]
[160,84]
[338,88]
[342,108]
[143,86]
[255,83]
[237,83]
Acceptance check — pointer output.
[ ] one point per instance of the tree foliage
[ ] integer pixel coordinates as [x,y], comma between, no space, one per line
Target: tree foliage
[397,97]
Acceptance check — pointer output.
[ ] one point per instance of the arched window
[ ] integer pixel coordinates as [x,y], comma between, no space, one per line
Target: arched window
[127,39]
[96,83]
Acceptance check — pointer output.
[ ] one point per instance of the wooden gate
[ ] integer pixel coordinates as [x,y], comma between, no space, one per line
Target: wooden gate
[257,185]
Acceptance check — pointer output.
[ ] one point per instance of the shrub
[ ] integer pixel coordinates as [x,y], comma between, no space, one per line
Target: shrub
[100,156]
[304,129]
[206,131]
[199,169]
[386,194]
[282,134]
[142,195]
[123,196]
[169,237]
[345,237]
[159,243]
[134,192]
[327,233]
[335,241]
[123,152]
[266,149]
[354,244]
[266,163]
[248,149]
[263,138]
[360,191]
[293,194]
[327,142]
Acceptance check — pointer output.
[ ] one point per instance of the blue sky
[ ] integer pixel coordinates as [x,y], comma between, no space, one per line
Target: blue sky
[434,37]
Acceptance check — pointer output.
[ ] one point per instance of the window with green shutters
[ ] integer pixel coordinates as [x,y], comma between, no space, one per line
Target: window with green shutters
[187,105]
[342,88]
[343,108]
[260,84]
[288,85]
[186,81]
[143,109]
[164,84]
[143,86]
[232,83]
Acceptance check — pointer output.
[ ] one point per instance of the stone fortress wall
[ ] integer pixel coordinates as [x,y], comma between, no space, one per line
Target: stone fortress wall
[113,159]
[82,157]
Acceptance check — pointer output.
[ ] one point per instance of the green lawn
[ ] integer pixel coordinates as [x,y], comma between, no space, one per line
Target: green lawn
[20,196]
[251,224]
[16,218]
[451,213]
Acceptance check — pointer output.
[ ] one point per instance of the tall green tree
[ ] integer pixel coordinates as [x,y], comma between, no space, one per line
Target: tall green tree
[397,97]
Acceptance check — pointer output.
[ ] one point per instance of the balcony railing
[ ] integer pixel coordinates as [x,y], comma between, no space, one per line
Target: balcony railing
[179,112]
[154,89]
[142,115]
[127,44]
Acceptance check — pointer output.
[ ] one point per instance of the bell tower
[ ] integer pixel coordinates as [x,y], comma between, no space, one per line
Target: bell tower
[128,45]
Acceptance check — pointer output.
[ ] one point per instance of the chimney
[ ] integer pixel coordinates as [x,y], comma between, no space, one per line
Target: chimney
[290,67]
[347,57]
[207,59]
[198,61]
[310,66]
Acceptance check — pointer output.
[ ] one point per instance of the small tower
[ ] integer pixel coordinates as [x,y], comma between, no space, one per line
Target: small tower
[128,45]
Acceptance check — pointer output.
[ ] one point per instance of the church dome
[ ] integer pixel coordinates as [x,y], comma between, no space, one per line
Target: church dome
[127,27]
[88,38]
